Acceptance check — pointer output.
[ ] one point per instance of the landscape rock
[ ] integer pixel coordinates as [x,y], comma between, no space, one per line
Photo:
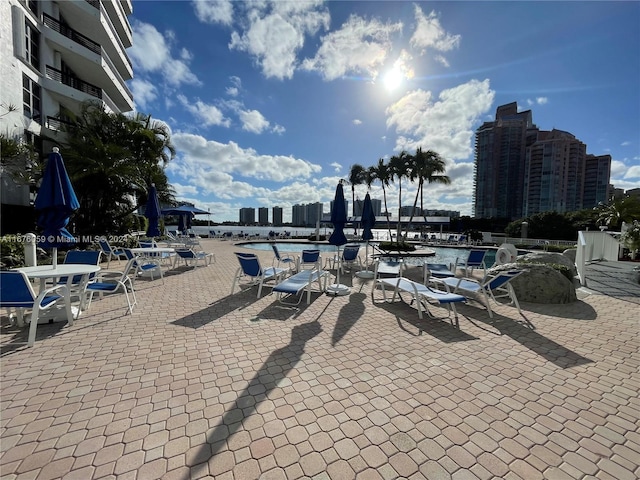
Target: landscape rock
[549,258]
[539,283]
[571,253]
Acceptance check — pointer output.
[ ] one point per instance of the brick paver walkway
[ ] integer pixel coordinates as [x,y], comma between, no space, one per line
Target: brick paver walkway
[201,383]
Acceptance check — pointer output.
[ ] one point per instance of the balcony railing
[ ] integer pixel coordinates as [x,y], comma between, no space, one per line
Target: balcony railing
[55,123]
[77,37]
[74,82]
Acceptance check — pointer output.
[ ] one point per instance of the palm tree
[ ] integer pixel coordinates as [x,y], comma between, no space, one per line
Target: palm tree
[399,166]
[356,177]
[112,160]
[426,166]
[382,173]
[619,210]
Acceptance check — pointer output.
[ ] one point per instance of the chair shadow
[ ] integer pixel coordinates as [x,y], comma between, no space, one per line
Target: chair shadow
[440,328]
[269,375]
[577,310]
[524,333]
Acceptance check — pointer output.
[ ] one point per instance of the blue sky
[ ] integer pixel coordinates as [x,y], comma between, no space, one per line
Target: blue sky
[270,103]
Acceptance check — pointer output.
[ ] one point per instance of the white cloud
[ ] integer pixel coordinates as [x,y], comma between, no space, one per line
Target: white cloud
[151,53]
[359,46]
[232,91]
[625,144]
[537,101]
[182,190]
[214,11]
[276,31]
[253,121]
[219,168]
[445,125]
[633,172]
[618,168]
[430,34]
[208,114]
[144,92]
[336,167]
[357,121]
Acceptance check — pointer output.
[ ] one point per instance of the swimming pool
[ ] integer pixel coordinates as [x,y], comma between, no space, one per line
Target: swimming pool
[442,254]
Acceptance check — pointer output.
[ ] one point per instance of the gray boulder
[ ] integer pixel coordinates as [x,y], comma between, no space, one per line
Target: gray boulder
[547,258]
[539,283]
[570,253]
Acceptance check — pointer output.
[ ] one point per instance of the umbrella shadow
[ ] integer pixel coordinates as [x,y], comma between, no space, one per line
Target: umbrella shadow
[524,333]
[274,369]
[348,316]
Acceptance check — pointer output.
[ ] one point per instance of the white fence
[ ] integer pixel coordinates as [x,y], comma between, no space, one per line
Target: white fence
[594,246]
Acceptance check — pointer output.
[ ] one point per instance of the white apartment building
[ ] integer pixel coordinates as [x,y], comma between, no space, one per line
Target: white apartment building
[53,56]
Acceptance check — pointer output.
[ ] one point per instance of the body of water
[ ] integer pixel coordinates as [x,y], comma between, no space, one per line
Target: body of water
[379,234]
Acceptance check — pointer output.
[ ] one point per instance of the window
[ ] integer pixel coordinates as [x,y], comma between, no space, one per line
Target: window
[32,45]
[33,6]
[31,99]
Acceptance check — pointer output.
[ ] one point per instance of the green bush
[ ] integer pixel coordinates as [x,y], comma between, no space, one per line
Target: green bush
[11,251]
[396,247]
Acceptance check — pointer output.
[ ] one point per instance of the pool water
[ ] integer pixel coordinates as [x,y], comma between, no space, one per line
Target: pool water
[445,255]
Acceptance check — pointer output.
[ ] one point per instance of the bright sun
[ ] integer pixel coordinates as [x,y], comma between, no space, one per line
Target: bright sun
[392,79]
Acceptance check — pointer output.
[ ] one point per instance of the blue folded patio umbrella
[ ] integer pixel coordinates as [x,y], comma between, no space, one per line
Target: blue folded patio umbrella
[367,222]
[152,212]
[338,238]
[55,202]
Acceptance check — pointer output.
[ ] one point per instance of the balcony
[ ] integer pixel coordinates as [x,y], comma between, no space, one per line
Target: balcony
[74,82]
[82,54]
[72,34]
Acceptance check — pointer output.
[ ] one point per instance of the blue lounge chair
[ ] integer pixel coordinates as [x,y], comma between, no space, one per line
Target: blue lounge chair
[189,256]
[250,267]
[280,259]
[474,260]
[350,257]
[106,282]
[309,259]
[142,266]
[110,252]
[488,288]
[16,292]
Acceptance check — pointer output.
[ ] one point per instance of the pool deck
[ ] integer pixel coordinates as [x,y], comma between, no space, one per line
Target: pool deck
[202,383]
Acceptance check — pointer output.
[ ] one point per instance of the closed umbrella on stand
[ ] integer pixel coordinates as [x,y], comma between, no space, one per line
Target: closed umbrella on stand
[55,202]
[338,238]
[152,212]
[367,221]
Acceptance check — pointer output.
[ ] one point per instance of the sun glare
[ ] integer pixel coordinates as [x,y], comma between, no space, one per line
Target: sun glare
[392,79]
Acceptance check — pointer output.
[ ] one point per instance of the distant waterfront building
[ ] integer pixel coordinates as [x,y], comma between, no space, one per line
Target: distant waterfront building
[441,213]
[375,203]
[276,213]
[298,215]
[247,216]
[53,56]
[521,170]
[408,211]
[263,216]
[314,213]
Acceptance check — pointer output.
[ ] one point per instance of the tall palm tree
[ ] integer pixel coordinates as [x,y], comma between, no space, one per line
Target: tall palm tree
[112,160]
[400,168]
[356,177]
[619,210]
[426,166]
[382,173]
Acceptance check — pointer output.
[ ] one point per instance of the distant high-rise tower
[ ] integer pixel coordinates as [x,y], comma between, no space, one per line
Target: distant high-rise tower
[521,170]
[499,163]
[247,216]
[263,216]
[277,216]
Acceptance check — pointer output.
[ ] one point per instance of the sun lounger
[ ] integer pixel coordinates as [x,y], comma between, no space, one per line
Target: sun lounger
[296,284]
[421,294]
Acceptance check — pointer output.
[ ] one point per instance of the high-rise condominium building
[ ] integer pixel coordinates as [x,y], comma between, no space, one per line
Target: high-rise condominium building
[521,170]
[247,216]
[263,216]
[277,216]
[53,56]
